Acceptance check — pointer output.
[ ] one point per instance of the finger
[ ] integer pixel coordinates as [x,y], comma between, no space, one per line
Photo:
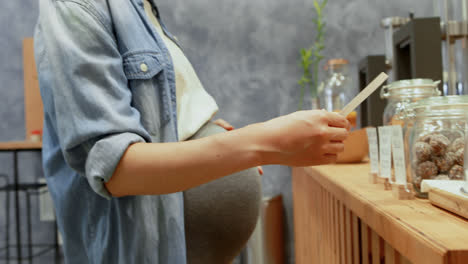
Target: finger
[260,170]
[337,134]
[333,148]
[330,158]
[337,120]
[337,141]
[222,123]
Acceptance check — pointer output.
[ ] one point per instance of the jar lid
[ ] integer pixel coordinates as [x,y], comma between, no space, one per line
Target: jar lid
[333,63]
[337,61]
[410,88]
[440,105]
[393,21]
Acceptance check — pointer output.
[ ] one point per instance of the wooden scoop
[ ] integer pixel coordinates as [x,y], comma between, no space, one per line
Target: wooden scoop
[379,80]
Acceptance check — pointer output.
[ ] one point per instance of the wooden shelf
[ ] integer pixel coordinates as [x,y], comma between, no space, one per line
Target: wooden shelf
[20,145]
[420,232]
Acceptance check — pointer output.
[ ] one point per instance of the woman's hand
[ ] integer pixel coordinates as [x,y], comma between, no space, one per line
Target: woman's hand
[224,124]
[305,138]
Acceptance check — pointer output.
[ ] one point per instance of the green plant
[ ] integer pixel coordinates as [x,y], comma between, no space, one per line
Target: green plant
[311,57]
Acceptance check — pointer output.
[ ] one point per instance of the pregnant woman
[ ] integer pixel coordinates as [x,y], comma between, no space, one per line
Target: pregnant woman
[137,170]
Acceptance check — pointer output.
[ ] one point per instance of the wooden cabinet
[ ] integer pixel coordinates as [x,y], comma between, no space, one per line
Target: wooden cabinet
[339,217]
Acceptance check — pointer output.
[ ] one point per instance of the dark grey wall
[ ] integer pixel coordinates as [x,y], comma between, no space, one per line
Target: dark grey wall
[245,52]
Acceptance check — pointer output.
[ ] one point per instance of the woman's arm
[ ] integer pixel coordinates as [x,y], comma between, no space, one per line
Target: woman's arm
[299,139]
[224,124]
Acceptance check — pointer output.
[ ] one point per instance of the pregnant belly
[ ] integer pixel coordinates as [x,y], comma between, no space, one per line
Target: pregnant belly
[221,215]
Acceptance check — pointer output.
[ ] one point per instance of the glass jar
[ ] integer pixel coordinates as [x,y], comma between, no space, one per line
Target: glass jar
[337,89]
[334,95]
[401,93]
[437,139]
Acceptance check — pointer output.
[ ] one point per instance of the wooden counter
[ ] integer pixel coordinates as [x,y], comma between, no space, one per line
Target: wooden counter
[339,217]
[20,145]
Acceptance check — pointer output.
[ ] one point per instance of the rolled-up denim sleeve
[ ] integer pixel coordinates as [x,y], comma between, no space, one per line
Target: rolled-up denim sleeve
[87,90]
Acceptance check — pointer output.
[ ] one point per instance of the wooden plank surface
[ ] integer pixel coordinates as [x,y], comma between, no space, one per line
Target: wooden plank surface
[420,232]
[339,235]
[404,260]
[389,254]
[355,243]
[20,145]
[365,243]
[375,241]
[349,237]
[336,242]
[274,241]
[301,197]
[449,201]
[342,227]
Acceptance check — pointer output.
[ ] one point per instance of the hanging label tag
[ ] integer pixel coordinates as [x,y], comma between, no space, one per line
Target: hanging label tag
[398,153]
[373,149]
[385,145]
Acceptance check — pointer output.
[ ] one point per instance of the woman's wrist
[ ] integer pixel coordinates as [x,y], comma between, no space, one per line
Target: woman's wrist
[260,145]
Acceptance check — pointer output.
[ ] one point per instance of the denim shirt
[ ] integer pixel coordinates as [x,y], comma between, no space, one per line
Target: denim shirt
[106,81]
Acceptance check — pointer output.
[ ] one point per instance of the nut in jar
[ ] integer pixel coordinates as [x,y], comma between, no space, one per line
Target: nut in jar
[437,152]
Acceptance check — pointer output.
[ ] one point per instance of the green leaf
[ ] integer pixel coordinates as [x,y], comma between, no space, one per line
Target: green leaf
[324,3]
[317,6]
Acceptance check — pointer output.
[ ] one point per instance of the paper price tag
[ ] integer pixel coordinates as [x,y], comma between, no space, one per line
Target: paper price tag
[385,145]
[398,153]
[373,149]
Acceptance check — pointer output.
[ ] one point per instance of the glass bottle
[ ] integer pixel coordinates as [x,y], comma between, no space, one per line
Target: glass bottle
[334,94]
[337,89]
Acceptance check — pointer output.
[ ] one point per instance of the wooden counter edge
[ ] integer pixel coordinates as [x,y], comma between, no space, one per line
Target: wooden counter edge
[20,145]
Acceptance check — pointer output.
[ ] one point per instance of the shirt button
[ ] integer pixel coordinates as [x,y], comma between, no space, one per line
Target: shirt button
[143,67]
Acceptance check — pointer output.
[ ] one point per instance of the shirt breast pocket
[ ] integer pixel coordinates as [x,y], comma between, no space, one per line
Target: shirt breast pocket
[149,87]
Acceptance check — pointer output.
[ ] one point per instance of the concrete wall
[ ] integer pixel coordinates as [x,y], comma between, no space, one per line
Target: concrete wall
[246,54]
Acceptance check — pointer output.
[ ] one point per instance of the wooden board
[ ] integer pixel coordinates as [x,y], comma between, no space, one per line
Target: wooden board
[365,245]
[416,231]
[33,109]
[20,145]
[451,202]
[273,220]
[355,243]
